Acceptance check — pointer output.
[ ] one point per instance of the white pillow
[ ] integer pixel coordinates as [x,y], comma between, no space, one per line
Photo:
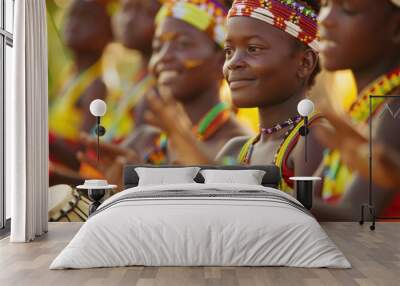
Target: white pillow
[163,176]
[248,177]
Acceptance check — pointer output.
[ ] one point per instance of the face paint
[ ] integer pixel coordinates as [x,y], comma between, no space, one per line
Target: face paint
[191,64]
[185,61]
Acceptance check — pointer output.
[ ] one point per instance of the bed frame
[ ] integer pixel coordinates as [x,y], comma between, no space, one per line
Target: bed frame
[271,178]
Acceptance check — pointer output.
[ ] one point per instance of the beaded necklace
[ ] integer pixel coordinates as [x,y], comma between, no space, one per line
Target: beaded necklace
[337,175]
[208,126]
[359,110]
[277,127]
[246,152]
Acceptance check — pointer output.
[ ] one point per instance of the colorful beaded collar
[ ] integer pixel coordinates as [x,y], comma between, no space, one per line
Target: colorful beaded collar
[359,110]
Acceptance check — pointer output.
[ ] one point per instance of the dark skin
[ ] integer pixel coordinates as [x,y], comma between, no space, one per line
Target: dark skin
[364,36]
[255,55]
[353,144]
[136,26]
[87,31]
[136,22]
[134,13]
[186,64]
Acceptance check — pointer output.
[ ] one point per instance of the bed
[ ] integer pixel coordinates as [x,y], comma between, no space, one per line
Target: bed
[201,224]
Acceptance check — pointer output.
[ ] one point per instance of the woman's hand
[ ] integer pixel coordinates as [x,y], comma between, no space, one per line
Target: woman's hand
[169,115]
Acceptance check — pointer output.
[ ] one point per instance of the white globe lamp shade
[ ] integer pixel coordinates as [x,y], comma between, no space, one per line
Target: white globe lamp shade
[305,107]
[98,107]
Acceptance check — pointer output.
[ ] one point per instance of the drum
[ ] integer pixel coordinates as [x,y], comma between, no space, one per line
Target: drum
[67,205]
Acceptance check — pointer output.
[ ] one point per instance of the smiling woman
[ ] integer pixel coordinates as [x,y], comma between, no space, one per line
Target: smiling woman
[185,62]
[270,63]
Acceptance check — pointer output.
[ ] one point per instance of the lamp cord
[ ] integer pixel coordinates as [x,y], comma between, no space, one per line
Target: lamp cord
[306,133]
[98,140]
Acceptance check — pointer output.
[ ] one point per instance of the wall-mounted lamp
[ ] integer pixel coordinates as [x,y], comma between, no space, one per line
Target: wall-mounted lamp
[305,108]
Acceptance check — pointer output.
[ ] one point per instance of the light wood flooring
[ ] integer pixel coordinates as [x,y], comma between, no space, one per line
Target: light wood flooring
[375,257]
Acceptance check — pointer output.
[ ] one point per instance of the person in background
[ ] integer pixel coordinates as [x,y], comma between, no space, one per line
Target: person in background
[134,29]
[119,120]
[268,65]
[87,32]
[363,36]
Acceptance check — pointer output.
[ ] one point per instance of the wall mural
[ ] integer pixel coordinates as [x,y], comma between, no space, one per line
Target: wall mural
[181,85]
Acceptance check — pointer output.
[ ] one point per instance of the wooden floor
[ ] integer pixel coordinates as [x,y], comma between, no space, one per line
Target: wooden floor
[375,257]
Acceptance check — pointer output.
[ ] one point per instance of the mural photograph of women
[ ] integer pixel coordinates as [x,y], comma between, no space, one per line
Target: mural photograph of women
[173,111]
[200,142]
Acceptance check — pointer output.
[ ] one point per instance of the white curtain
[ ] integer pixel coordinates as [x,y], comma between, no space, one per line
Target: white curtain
[26,124]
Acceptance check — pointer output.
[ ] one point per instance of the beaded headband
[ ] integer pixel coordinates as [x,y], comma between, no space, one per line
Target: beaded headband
[206,15]
[286,15]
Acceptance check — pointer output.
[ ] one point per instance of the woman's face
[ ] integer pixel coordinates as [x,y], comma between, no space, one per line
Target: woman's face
[136,23]
[355,33]
[261,63]
[185,61]
[88,27]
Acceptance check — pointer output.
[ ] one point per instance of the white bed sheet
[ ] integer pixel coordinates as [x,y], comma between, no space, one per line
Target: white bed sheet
[200,232]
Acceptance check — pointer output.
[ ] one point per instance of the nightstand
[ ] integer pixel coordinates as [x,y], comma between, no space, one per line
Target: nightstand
[96,190]
[304,189]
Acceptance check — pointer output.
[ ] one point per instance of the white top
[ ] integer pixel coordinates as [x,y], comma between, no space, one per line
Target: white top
[96,184]
[88,187]
[305,178]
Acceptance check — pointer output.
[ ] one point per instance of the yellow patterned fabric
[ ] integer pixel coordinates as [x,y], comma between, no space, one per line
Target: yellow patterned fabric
[64,118]
[118,121]
[287,146]
[337,176]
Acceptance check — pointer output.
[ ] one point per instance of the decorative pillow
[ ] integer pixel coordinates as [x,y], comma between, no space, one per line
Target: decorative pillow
[248,177]
[163,176]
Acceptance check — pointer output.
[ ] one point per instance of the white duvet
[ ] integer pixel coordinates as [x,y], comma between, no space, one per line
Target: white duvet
[202,231]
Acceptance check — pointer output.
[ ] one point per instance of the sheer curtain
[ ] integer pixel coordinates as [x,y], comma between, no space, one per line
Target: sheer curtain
[26,124]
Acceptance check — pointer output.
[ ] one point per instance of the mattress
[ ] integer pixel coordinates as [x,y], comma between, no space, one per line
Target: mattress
[201,225]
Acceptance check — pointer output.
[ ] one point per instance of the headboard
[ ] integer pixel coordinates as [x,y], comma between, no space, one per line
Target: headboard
[271,178]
